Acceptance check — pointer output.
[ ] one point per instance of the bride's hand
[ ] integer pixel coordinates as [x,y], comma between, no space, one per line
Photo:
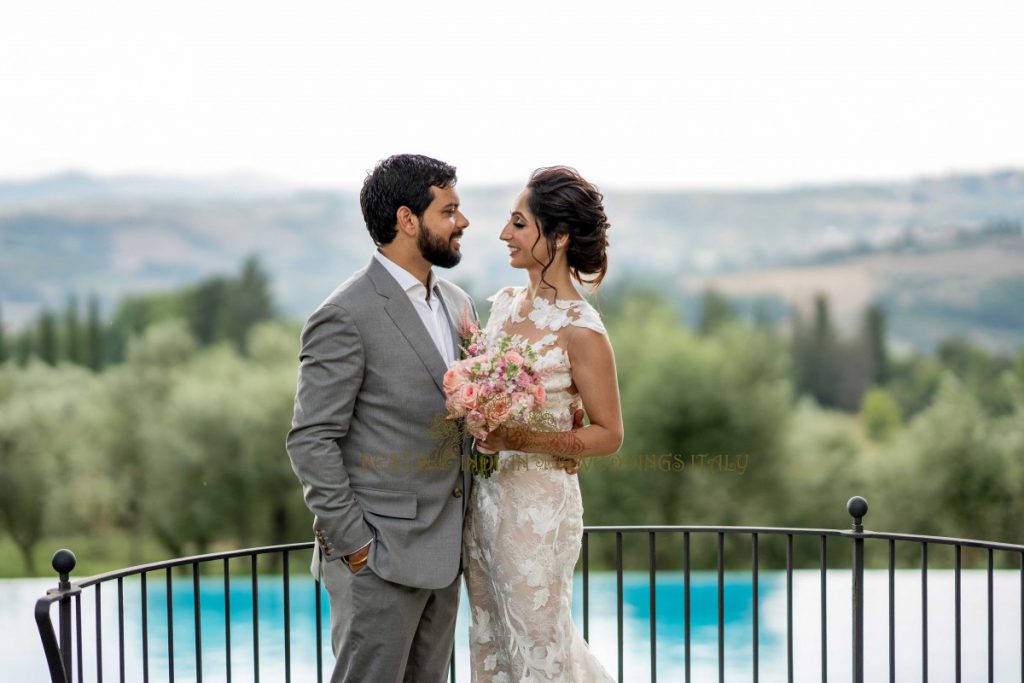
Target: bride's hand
[517,439]
[569,464]
[507,439]
[495,441]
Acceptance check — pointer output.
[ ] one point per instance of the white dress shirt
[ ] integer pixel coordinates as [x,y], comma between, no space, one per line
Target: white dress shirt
[427,304]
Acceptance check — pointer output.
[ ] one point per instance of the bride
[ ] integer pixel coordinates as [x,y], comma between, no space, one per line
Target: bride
[525,522]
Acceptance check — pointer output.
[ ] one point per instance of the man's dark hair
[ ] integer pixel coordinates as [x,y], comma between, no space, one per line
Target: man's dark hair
[400,180]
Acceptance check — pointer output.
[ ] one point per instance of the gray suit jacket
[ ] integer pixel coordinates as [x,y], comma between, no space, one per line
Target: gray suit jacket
[369,441]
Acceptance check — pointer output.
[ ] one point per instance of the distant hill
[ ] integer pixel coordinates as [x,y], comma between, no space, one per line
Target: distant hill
[78,186]
[79,233]
[969,285]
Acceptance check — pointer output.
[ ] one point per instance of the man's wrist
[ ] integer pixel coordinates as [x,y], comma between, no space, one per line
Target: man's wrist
[358,557]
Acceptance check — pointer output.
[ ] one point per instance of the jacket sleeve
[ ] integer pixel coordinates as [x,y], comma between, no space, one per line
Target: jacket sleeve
[330,375]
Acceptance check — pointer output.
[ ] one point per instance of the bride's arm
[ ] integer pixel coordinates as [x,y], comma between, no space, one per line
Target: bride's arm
[593,372]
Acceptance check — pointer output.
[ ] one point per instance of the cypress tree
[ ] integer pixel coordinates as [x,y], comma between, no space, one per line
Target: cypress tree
[4,353]
[95,350]
[73,350]
[23,348]
[715,311]
[823,351]
[47,345]
[874,330]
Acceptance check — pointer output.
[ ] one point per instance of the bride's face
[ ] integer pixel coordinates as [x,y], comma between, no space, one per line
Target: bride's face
[527,248]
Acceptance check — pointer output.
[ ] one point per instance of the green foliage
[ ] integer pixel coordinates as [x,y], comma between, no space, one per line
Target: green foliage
[4,351]
[837,371]
[47,338]
[715,311]
[955,470]
[23,348]
[725,394]
[913,383]
[816,355]
[825,462]
[95,346]
[217,309]
[179,446]
[136,313]
[980,371]
[879,415]
[38,410]
[874,337]
[73,348]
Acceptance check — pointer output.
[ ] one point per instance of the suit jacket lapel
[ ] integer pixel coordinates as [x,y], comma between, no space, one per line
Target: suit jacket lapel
[453,323]
[401,311]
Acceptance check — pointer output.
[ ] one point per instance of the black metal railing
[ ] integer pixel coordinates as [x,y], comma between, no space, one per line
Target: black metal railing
[63,648]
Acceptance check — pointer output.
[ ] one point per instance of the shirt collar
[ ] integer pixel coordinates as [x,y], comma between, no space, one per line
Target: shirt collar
[406,280]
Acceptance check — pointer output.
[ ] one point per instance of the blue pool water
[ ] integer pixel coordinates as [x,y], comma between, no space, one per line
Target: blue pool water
[21,654]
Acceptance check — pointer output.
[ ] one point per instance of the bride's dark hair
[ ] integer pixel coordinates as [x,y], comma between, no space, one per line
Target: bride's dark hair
[564,203]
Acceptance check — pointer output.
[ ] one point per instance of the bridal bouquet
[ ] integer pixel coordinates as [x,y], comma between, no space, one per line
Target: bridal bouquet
[495,385]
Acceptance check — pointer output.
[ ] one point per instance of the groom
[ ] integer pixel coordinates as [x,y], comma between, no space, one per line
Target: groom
[385,485]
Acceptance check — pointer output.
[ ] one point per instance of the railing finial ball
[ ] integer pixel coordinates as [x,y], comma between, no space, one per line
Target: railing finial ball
[857,507]
[64,562]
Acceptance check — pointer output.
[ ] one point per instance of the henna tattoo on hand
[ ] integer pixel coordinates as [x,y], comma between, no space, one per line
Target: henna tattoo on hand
[552,443]
[516,439]
[566,443]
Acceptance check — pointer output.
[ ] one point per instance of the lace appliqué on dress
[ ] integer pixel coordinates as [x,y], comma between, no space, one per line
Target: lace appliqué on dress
[524,530]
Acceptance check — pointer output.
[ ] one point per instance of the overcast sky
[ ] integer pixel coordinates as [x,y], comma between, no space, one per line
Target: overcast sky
[717,93]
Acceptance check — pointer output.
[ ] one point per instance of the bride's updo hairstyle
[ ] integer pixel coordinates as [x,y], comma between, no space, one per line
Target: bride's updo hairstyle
[563,203]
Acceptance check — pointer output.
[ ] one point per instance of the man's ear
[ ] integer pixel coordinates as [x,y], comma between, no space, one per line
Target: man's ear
[406,221]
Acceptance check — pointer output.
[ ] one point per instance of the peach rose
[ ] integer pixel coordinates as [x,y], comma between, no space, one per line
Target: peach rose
[513,357]
[498,410]
[467,396]
[454,378]
[539,394]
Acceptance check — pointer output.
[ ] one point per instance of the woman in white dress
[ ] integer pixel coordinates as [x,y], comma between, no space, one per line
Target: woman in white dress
[525,523]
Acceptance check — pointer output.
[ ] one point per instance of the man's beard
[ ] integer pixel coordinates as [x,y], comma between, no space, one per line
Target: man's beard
[437,250]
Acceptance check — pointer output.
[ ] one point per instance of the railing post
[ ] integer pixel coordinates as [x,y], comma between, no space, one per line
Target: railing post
[858,507]
[63,563]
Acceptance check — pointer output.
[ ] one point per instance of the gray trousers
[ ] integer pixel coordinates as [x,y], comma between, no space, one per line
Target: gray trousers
[383,632]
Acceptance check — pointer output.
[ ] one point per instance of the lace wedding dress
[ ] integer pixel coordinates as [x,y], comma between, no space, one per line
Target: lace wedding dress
[525,526]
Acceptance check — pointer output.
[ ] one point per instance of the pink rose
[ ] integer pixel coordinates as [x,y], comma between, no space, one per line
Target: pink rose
[538,393]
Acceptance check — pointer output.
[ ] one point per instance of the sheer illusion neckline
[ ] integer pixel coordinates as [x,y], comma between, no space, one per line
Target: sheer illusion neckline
[540,307]
[522,292]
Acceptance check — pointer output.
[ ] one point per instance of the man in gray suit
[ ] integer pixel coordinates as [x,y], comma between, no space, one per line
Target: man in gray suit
[387,487]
